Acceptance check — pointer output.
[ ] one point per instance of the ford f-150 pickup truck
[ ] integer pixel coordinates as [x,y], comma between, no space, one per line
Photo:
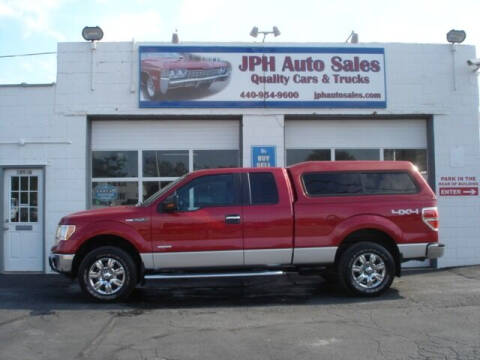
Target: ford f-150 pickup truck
[357,220]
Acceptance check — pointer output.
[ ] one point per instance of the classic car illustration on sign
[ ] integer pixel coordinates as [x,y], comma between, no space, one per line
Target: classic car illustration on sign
[161,72]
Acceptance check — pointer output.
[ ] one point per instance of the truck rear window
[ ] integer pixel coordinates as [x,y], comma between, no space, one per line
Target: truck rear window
[358,183]
[263,188]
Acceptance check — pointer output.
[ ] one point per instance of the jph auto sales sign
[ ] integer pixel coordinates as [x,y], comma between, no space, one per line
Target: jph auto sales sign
[230,76]
[458,186]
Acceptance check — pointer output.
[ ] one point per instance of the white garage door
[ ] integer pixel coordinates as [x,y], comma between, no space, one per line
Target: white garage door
[131,160]
[358,140]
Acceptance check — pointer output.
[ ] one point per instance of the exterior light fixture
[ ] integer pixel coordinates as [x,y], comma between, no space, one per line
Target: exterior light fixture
[254,32]
[353,37]
[92,33]
[456,36]
[175,39]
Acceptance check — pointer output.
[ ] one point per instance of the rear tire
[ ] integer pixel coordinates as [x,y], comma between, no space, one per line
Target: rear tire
[108,274]
[366,269]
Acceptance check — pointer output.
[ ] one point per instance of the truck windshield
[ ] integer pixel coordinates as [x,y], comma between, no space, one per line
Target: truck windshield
[160,192]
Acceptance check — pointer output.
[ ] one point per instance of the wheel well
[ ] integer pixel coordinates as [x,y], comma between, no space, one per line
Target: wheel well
[375,236]
[107,240]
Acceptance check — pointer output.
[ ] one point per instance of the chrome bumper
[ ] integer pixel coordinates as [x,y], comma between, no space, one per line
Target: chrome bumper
[167,83]
[435,250]
[61,263]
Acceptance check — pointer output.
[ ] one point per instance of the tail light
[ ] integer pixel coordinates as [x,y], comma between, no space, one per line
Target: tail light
[430,217]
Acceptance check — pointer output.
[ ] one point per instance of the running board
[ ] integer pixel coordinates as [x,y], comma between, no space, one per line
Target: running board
[213,275]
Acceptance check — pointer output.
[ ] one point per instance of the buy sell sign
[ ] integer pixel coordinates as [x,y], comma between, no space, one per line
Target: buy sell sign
[262,76]
[458,186]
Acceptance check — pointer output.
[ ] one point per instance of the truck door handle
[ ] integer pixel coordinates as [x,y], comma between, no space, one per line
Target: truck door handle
[232,219]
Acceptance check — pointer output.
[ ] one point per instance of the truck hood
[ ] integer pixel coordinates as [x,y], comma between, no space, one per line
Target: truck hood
[109,213]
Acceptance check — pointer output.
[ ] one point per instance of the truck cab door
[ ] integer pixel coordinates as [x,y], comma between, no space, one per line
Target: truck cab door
[267,218]
[204,229]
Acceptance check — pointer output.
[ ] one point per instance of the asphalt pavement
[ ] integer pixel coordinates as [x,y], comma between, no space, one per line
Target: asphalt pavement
[426,315]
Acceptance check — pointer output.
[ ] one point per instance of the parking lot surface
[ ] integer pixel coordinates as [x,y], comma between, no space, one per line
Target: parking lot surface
[426,315]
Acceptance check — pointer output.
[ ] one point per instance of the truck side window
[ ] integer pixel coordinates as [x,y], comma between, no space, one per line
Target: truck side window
[208,191]
[263,188]
[359,183]
[337,183]
[389,183]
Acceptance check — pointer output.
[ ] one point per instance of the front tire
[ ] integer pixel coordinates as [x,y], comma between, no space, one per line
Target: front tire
[107,274]
[150,92]
[366,269]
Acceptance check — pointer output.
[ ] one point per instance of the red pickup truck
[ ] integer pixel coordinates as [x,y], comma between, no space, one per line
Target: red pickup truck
[357,220]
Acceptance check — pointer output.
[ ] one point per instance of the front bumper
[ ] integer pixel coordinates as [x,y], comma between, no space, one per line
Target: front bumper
[167,83]
[61,263]
[435,250]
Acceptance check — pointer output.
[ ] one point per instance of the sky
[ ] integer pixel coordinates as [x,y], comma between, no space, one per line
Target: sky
[29,26]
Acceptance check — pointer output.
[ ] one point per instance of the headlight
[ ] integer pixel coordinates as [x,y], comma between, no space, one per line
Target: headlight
[64,232]
[179,73]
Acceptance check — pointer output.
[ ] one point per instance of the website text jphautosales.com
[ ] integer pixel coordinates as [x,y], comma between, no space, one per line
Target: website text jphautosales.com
[346,95]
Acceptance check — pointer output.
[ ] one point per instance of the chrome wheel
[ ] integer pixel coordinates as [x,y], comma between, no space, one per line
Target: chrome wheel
[106,276]
[368,270]
[150,88]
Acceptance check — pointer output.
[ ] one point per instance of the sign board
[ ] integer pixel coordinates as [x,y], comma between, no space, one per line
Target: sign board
[105,193]
[458,186]
[263,156]
[258,76]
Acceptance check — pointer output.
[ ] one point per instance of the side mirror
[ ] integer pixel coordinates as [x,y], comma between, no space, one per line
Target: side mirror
[170,204]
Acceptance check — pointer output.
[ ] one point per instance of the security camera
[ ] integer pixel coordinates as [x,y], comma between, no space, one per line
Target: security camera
[474,63]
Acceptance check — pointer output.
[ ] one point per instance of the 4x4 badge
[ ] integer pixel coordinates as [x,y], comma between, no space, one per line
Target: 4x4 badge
[405,211]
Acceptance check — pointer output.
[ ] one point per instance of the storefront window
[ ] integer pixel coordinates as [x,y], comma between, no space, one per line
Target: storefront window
[151,187]
[211,159]
[417,156]
[357,154]
[165,163]
[114,193]
[157,169]
[295,156]
[114,164]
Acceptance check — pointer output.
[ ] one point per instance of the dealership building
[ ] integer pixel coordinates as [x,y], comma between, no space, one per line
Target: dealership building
[124,119]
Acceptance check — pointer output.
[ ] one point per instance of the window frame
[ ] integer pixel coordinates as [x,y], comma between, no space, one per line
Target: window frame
[248,190]
[140,179]
[363,193]
[237,181]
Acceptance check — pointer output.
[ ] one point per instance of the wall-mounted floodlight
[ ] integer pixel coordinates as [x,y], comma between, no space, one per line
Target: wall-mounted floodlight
[254,32]
[92,33]
[175,38]
[353,37]
[456,36]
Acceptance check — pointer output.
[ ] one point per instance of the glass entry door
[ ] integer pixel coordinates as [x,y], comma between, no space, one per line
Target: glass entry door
[23,220]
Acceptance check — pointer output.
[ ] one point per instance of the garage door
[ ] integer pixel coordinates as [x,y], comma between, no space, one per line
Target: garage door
[358,140]
[131,160]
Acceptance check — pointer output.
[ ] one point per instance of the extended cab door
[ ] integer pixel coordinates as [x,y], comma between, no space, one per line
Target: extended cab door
[206,228]
[267,217]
